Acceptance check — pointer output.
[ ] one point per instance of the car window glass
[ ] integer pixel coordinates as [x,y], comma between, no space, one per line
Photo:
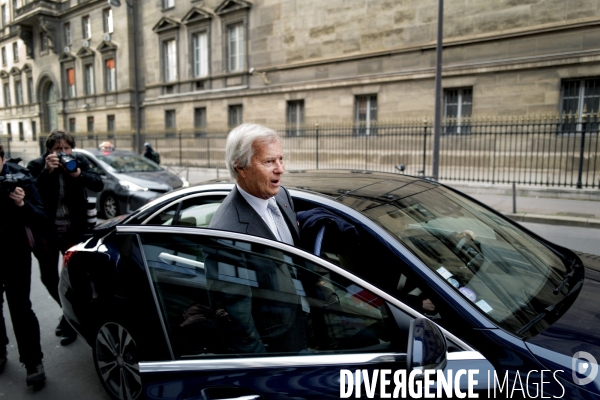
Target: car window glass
[507,274]
[195,211]
[166,216]
[126,163]
[93,166]
[198,211]
[357,250]
[229,298]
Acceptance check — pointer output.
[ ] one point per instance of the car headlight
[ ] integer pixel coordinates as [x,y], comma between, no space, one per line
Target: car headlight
[132,187]
[185,182]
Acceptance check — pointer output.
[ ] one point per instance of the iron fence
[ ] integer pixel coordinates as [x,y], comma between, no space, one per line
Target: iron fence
[549,151]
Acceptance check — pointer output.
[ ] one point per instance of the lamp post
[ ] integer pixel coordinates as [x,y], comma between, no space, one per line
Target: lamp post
[438,93]
[136,85]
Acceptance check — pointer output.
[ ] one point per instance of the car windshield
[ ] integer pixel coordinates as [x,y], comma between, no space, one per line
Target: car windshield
[124,163]
[504,271]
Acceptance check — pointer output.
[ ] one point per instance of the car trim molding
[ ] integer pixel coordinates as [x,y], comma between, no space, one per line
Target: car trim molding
[289,361]
[288,248]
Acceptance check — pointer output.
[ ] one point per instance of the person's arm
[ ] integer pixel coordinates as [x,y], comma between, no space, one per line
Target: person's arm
[28,204]
[86,176]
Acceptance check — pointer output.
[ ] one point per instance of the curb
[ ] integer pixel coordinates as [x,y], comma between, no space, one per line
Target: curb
[555,220]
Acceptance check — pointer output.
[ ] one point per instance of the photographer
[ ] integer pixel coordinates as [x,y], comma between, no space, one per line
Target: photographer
[20,206]
[62,178]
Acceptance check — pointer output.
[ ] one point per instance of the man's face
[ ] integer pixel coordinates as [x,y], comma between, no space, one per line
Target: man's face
[63,146]
[1,163]
[263,176]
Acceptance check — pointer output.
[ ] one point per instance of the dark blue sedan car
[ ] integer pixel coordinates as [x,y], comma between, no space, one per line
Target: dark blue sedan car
[401,287]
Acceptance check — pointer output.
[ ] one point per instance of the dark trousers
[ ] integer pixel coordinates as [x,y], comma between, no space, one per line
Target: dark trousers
[15,281]
[48,254]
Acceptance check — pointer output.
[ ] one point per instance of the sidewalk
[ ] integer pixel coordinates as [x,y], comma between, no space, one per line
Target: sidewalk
[554,206]
[539,204]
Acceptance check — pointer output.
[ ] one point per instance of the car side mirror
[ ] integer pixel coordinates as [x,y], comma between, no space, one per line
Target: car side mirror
[427,347]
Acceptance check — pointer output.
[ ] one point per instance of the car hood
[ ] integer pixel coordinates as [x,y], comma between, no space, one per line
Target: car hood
[156,180]
[578,330]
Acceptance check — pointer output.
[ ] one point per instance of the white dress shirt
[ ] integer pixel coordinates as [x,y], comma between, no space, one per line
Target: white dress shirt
[260,206]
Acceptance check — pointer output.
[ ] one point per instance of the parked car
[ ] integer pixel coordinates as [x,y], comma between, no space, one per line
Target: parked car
[393,273]
[130,180]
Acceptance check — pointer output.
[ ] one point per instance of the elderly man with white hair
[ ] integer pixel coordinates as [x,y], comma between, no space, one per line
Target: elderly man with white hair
[258,204]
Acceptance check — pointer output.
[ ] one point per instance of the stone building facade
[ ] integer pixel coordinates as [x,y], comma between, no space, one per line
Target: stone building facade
[206,64]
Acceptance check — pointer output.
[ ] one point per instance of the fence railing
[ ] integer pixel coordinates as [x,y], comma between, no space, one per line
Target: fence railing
[550,151]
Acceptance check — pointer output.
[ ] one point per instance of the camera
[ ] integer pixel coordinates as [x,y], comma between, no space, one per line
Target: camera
[9,182]
[67,161]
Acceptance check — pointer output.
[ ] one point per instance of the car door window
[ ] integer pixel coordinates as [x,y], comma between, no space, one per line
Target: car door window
[195,211]
[223,297]
[94,166]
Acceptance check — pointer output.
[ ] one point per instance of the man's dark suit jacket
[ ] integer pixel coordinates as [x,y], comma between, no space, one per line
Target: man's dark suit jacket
[237,215]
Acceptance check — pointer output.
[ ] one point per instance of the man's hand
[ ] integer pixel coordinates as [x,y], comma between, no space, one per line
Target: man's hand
[76,173]
[428,306]
[51,162]
[17,196]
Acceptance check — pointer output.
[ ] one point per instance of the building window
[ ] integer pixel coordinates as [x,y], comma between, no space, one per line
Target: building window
[200,53]
[21,132]
[88,70]
[580,99]
[43,42]
[15,47]
[168,4]
[30,90]
[86,27]
[33,130]
[235,115]
[90,124]
[4,17]
[295,118]
[72,125]
[235,47]
[170,123]
[6,95]
[110,125]
[458,104]
[110,75]
[366,115]
[199,121]
[170,60]
[108,20]
[67,28]
[71,82]
[9,129]
[19,92]
[4,61]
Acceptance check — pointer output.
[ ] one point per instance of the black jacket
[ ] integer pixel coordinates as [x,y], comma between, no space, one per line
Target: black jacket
[75,193]
[13,218]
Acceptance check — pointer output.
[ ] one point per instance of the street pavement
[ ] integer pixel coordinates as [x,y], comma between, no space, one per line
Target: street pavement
[70,372]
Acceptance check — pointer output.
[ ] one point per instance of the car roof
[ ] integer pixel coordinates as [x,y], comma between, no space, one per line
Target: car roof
[97,152]
[356,188]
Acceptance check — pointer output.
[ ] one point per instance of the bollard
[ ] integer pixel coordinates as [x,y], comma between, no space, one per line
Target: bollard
[514,197]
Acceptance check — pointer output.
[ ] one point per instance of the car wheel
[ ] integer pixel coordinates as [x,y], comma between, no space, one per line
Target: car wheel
[116,360]
[110,206]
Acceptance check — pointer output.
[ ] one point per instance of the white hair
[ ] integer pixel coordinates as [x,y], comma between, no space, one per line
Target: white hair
[239,148]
